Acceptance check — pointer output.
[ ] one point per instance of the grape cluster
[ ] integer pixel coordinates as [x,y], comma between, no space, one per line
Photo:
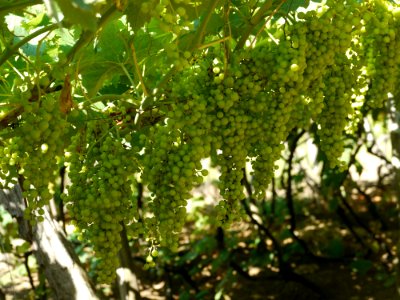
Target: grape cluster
[101,165]
[32,154]
[171,164]
[332,72]
[381,42]
[318,70]
[244,111]
[324,67]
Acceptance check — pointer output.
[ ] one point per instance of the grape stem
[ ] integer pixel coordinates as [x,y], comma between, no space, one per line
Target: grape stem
[137,68]
[219,41]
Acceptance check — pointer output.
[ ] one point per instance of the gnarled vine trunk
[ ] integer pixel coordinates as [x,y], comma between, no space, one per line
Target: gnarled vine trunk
[68,280]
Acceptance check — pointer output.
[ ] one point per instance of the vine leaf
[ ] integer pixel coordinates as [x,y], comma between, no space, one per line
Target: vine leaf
[77,14]
[112,32]
[96,73]
[134,15]
[292,6]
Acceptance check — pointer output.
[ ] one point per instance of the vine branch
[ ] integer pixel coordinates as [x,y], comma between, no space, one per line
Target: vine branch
[4,8]
[137,68]
[11,50]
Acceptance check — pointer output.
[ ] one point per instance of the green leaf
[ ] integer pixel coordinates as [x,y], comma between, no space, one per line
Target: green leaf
[134,15]
[215,24]
[148,44]
[333,204]
[78,119]
[219,261]
[186,40]
[202,295]
[39,20]
[335,247]
[359,167]
[244,9]
[293,5]
[78,14]
[6,245]
[96,73]
[191,255]
[111,50]
[67,38]
[206,245]
[298,178]
[237,22]
[361,266]
[21,249]
[391,281]
[185,295]
[99,66]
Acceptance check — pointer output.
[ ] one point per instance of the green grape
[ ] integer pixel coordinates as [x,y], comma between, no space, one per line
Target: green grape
[154,253]
[380,42]
[100,196]
[33,153]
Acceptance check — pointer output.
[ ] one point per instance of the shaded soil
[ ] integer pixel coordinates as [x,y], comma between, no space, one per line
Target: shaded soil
[335,281]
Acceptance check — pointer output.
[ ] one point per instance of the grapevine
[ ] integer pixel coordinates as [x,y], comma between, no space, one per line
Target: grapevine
[325,67]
